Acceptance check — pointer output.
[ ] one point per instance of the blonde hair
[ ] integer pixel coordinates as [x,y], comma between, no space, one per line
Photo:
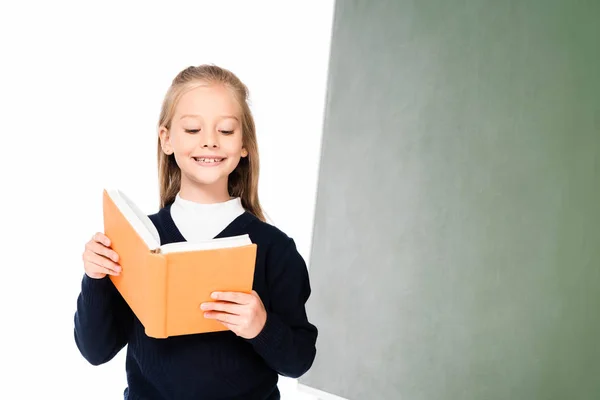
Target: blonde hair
[243,181]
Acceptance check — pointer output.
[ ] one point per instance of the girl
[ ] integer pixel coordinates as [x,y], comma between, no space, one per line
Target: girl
[208,173]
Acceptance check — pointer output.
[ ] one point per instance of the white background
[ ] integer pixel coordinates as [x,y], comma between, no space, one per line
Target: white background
[81,87]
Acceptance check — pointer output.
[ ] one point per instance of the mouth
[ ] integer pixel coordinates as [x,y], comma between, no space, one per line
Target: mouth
[208,161]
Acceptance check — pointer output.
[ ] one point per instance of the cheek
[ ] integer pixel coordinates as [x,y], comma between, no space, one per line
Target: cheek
[233,149]
[183,145]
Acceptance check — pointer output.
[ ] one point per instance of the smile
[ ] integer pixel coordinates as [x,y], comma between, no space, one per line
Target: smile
[208,161]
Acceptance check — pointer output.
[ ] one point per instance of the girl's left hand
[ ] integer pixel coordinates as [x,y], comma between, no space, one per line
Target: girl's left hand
[244,314]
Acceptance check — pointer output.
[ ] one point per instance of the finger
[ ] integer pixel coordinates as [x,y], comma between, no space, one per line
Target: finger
[102,269]
[222,317]
[103,263]
[95,267]
[101,238]
[231,327]
[230,308]
[92,268]
[234,297]
[102,250]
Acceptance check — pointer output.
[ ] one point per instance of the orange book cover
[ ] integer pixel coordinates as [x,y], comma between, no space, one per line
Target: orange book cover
[165,285]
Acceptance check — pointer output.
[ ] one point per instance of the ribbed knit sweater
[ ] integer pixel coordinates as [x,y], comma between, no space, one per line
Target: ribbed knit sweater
[217,365]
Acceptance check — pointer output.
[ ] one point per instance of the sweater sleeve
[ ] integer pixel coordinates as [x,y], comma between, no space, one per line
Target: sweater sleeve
[287,341]
[102,320]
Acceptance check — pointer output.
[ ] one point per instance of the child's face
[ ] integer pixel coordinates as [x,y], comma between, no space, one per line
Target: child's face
[206,136]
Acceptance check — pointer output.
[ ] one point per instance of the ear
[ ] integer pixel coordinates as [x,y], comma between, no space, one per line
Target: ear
[244,152]
[165,140]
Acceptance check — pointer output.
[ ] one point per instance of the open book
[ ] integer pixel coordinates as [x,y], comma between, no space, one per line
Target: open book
[164,285]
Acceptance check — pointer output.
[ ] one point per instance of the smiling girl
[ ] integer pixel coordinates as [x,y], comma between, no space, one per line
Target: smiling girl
[208,173]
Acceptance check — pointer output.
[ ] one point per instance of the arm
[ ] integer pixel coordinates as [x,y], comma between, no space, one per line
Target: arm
[287,341]
[103,320]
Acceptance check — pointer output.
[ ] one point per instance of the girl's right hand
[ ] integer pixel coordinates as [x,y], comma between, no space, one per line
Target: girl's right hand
[99,259]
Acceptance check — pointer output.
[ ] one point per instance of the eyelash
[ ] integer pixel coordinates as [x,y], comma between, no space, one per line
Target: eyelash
[198,130]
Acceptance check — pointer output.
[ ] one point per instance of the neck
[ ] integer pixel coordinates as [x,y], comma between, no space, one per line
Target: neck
[204,194]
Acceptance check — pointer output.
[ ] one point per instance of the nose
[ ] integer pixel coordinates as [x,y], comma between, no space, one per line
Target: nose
[210,139]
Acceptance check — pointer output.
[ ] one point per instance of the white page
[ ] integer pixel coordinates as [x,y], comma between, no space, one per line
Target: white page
[149,234]
[140,221]
[220,243]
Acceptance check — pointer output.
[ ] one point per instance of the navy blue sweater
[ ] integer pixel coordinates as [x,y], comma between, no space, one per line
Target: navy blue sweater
[218,365]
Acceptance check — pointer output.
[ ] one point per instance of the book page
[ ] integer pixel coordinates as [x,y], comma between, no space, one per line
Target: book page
[220,243]
[140,221]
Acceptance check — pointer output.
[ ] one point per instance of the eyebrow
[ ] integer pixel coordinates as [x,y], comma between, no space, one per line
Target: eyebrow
[198,116]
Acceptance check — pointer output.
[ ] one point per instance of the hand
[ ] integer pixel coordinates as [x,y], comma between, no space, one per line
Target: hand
[99,259]
[244,314]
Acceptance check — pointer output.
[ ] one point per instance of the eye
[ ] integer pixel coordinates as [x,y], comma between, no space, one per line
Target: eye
[192,130]
[226,132]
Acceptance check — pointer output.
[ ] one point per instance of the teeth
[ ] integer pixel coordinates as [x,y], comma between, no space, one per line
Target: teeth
[209,160]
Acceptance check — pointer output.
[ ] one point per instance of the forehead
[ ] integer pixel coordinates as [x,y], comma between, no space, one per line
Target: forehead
[208,101]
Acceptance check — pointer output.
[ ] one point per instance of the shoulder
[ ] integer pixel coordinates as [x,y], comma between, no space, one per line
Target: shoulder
[266,234]
[277,247]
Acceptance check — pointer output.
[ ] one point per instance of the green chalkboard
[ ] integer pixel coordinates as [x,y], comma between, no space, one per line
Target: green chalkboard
[456,247]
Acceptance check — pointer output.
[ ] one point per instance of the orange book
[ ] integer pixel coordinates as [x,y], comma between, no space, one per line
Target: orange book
[164,285]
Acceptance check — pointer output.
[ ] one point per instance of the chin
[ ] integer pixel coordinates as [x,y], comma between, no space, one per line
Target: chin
[205,179]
